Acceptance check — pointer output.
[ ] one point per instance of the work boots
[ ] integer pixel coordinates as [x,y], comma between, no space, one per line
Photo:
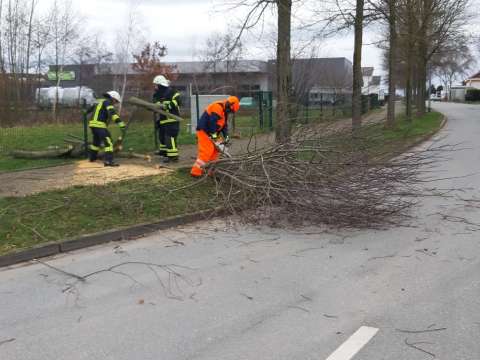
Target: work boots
[92,155]
[167,159]
[109,160]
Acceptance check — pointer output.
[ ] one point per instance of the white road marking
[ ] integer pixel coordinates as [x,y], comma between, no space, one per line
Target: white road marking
[354,344]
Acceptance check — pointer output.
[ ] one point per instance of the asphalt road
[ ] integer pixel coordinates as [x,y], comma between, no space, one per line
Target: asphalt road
[219,290]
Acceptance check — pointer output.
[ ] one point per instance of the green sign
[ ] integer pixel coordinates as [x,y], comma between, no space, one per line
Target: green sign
[64,75]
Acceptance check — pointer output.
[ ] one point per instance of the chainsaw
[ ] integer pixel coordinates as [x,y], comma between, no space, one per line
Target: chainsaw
[221,147]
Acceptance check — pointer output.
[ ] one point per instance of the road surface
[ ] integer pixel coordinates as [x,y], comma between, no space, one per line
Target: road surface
[219,290]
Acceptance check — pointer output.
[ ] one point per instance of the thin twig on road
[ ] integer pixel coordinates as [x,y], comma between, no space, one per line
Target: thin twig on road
[421,331]
[414,346]
[78,277]
[382,257]
[7,341]
[299,308]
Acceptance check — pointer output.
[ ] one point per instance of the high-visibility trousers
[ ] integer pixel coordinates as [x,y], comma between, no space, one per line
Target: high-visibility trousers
[206,153]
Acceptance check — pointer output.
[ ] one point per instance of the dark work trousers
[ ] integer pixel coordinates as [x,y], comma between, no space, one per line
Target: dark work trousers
[160,129]
[101,139]
[167,139]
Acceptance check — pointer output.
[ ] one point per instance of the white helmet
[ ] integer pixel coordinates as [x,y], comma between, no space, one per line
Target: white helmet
[161,80]
[115,95]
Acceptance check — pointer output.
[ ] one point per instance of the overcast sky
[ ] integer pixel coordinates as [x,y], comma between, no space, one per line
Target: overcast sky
[184,25]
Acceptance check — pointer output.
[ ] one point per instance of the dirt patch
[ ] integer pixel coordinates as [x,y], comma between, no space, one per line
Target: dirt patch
[81,173]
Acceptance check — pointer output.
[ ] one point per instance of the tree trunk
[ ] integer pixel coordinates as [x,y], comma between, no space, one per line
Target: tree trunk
[29,37]
[423,56]
[410,47]
[357,69]
[391,64]
[422,83]
[282,128]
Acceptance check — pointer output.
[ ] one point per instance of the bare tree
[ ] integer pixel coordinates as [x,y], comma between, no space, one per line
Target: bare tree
[441,22]
[64,32]
[90,50]
[284,71]
[392,33]
[357,68]
[256,10]
[148,63]
[127,42]
[33,4]
[42,37]
[451,64]
[221,50]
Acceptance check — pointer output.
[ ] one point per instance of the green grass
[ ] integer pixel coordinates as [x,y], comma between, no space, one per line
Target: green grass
[62,214]
[382,141]
[140,136]
[7,163]
[412,130]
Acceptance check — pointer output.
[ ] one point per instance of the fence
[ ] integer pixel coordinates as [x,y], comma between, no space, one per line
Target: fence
[37,130]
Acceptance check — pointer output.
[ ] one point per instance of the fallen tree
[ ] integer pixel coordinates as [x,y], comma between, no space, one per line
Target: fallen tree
[325,176]
[152,107]
[42,154]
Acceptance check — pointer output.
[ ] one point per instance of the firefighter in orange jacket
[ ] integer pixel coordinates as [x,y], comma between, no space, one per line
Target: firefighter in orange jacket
[212,128]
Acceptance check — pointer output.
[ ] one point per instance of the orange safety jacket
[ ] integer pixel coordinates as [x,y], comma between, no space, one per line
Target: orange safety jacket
[214,119]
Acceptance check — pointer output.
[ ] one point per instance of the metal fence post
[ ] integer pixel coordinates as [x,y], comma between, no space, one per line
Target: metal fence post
[270,110]
[260,108]
[197,108]
[85,126]
[334,105]
[306,109]
[321,106]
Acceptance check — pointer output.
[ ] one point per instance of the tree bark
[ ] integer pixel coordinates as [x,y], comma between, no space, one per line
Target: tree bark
[357,68]
[410,47]
[282,128]
[422,83]
[391,64]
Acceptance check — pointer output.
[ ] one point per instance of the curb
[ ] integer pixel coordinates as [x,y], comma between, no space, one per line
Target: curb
[431,135]
[85,241]
[422,139]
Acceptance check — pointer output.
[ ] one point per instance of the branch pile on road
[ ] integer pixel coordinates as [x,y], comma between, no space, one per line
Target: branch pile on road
[325,176]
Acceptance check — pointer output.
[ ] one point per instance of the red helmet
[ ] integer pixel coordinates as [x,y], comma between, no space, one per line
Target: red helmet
[234,103]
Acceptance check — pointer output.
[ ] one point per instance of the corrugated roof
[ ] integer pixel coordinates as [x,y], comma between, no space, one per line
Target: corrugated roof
[239,66]
[192,67]
[476,76]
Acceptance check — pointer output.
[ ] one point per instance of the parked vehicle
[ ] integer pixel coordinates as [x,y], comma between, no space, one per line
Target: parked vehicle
[66,97]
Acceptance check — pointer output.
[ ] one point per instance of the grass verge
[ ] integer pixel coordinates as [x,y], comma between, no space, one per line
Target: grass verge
[58,215]
[403,135]
[62,214]
[140,137]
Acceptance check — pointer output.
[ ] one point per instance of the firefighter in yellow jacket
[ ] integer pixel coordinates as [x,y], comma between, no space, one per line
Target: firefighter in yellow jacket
[104,111]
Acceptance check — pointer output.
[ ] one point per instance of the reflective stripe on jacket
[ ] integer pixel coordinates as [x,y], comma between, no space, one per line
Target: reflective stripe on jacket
[170,99]
[103,112]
